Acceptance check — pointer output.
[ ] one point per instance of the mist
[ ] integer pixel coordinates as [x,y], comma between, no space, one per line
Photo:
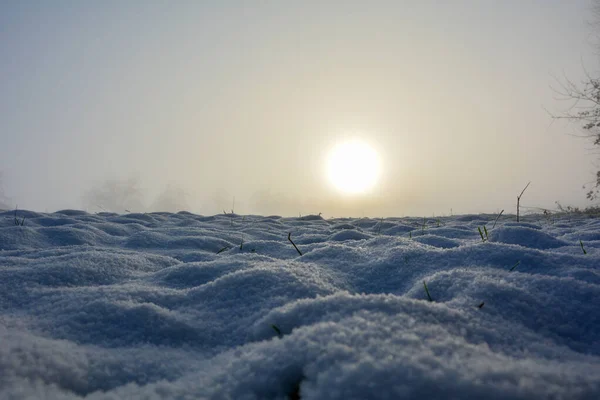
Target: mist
[213,107]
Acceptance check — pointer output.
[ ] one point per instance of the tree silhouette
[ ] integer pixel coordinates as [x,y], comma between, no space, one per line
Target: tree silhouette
[584,110]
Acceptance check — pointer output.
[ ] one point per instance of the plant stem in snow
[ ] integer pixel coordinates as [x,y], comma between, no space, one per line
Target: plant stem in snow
[223,249]
[293,244]
[427,291]
[481,234]
[276,329]
[519,199]
[515,266]
[496,220]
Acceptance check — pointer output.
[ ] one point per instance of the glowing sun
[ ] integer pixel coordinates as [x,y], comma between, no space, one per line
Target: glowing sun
[353,167]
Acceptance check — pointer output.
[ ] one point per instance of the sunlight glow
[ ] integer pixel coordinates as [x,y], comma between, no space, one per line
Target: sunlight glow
[353,167]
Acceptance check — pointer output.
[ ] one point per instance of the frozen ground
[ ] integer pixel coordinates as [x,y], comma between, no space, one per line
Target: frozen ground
[142,306]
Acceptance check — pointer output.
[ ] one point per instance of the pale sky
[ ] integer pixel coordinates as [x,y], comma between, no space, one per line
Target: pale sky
[245,99]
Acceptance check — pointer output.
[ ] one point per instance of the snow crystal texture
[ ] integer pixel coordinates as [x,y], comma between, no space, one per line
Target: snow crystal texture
[165,306]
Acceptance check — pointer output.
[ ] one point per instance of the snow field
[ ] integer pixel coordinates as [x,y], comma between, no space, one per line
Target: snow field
[107,306]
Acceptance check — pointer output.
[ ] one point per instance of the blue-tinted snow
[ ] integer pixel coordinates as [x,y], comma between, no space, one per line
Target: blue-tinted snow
[108,306]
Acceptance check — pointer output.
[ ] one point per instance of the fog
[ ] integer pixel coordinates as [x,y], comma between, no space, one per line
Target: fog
[219,106]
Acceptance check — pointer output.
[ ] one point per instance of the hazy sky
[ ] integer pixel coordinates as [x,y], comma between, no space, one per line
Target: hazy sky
[201,101]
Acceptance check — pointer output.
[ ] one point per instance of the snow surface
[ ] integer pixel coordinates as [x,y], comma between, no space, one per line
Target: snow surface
[108,306]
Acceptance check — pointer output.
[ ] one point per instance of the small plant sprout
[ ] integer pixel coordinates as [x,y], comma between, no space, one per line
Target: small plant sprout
[515,266]
[242,244]
[18,222]
[427,291]
[379,228]
[581,243]
[483,238]
[223,249]
[519,199]
[293,244]
[497,218]
[276,329]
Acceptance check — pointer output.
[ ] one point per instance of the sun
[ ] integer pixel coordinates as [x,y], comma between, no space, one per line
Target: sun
[353,167]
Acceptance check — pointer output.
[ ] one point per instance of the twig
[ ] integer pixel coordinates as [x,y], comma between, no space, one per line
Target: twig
[519,199]
[293,244]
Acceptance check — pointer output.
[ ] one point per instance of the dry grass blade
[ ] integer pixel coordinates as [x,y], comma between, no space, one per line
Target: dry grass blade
[427,291]
[496,220]
[581,243]
[223,249]
[515,266]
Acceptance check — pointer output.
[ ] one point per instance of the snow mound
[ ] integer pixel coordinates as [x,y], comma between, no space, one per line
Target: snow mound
[525,236]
